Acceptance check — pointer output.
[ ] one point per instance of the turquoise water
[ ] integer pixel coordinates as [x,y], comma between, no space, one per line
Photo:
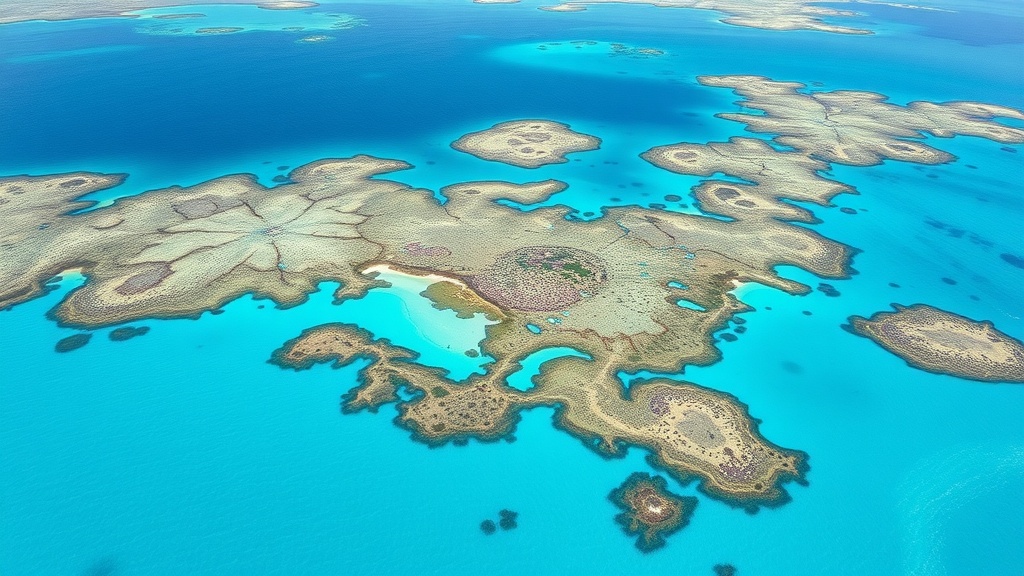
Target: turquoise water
[399,314]
[683,302]
[193,20]
[522,379]
[184,451]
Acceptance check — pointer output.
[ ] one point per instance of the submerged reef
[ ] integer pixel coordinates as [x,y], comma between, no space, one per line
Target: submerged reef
[127,333]
[508,519]
[649,511]
[725,570]
[945,343]
[73,342]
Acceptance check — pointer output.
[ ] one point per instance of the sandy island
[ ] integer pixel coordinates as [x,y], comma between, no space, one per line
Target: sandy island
[526,143]
[945,343]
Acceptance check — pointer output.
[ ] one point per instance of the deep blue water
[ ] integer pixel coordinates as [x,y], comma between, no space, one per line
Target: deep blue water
[967,26]
[183,451]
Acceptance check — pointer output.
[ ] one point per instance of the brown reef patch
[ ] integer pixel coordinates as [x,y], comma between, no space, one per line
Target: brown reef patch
[649,511]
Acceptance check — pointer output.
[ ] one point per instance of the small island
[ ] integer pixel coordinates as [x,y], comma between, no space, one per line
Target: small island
[649,511]
[526,143]
[945,343]
[219,30]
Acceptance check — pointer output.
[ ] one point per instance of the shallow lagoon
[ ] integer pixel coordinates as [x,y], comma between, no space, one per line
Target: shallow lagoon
[227,19]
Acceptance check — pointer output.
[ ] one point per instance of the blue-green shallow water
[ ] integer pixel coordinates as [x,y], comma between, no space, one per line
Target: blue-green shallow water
[183,451]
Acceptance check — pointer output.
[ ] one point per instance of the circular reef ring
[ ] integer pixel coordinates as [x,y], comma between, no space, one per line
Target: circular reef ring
[541,278]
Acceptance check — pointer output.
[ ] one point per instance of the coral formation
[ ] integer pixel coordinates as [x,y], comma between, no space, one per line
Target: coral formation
[945,343]
[649,511]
